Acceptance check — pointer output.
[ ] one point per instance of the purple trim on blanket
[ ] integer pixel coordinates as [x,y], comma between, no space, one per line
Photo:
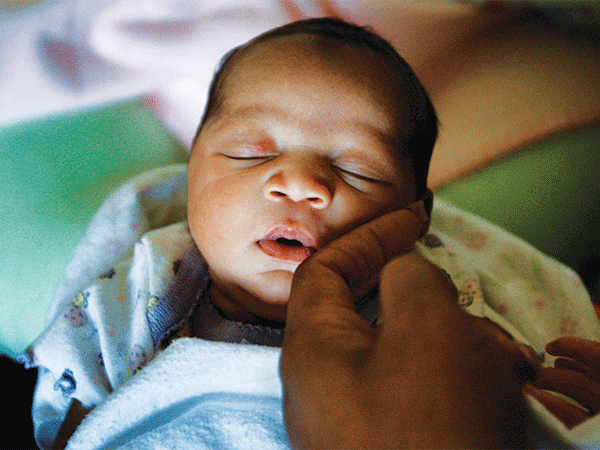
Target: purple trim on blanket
[210,323]
[175,305]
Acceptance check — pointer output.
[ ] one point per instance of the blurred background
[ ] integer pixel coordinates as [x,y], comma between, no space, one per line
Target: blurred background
[93,92]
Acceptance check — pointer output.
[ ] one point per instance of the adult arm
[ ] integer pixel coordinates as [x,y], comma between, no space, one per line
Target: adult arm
[576,374]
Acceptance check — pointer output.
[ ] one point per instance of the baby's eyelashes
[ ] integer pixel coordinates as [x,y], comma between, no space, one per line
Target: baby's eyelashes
[250,149]
[350,169]
[357,174]
[241,160]
[352,177]
[355,179]
[247,157]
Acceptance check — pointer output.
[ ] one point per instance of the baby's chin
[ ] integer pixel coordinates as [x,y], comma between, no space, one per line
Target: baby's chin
[274,287]
[271,293]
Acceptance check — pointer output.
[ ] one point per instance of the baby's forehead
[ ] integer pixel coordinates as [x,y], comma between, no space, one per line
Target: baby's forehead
[305,51]
[286,58]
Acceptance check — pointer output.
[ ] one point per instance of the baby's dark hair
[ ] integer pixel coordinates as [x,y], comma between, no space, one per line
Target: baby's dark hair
[417,145]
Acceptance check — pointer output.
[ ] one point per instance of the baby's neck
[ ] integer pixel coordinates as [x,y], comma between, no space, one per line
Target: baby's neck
[233,309]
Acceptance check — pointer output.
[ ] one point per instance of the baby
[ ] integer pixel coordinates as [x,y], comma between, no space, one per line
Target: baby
[310,130]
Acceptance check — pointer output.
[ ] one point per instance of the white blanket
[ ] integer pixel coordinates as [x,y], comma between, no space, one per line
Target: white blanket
[196,394]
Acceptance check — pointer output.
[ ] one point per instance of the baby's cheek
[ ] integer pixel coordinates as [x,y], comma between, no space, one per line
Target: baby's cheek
[206,209]
[207,234]
[220,225]
[350,213]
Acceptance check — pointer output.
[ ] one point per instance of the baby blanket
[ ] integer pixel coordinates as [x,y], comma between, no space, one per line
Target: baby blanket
[220,395]
[196,394]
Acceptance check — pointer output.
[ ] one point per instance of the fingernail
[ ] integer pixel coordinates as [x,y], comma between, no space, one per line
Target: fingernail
[550,347]
[532,353]
[418,208]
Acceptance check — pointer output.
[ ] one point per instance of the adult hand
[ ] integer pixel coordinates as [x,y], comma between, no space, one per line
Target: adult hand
[428,376]
[576,375]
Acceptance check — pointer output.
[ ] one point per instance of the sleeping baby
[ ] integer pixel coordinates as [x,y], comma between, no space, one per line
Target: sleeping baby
[310,130]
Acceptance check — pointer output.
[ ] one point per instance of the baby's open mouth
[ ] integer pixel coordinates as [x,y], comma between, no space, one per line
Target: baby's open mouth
[292,242]
[288,244]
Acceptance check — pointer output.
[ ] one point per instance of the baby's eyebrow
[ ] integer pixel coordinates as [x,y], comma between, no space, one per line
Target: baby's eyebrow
[385,138]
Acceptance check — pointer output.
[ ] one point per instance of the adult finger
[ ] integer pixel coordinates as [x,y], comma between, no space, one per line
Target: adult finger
[443,367]
[579,349]
[417,297]
[526,361]
[571,364]
[324,335]
[333,275]
[567,413]
[572,384]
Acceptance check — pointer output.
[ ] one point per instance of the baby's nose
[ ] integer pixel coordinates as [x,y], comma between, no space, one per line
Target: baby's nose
[300,184]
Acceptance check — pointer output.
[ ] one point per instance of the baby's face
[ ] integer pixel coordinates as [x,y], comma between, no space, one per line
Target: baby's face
[299,154]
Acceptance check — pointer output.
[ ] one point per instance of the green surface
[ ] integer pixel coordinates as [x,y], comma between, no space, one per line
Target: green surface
[54,175]
[549,194]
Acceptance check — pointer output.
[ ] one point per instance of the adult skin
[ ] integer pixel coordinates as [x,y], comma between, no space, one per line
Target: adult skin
[430,376]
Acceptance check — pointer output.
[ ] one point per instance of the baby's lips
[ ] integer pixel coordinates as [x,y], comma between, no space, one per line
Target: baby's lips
[285,252]
[278,243]
[292,233]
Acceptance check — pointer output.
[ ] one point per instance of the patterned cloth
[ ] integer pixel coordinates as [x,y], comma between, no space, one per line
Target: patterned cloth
[123,298]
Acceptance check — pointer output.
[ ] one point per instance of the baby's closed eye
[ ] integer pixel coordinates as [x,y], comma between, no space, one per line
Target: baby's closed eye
[357,174]
[248,155]
[360,174]
[245,148]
